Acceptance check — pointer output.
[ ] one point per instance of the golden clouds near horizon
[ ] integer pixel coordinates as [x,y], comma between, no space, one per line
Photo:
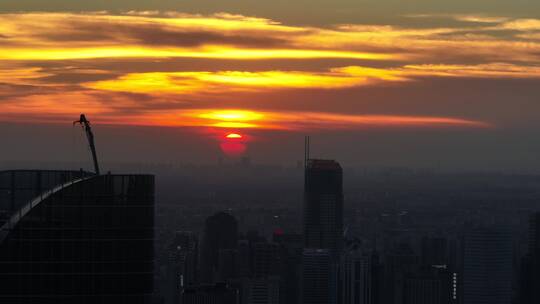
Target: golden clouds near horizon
[337,78]
[185,82]
[296,121]
[74,53]
[232,115]
[230,118]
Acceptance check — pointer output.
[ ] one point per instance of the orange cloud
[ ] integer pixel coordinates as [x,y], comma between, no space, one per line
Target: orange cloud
[226,36]
[233,119]
[17,75]
[521,25]
[55,65]
[493,70]
[222,81]
[56,107]
[221,36]
[28,109]
[192,82]
[15,53]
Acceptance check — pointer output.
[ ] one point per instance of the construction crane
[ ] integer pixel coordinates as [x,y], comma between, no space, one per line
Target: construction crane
[85,124]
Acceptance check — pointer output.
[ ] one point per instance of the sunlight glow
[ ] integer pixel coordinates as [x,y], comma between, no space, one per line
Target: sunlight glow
[232,115]
[288,120]
[240,125]
[217,52]
[233,136]
[231,118]
[222,81]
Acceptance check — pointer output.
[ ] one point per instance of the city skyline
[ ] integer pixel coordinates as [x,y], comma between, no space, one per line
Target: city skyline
[151,152]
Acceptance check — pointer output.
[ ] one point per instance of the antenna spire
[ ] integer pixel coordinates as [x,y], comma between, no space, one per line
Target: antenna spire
[306,150]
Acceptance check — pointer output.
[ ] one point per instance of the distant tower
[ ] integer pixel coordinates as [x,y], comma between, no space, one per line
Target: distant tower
[227,266]
[534,252]
[263,286]
[431,285]
[487,267]
[220,233]
[530,270]
[261,290]
[319,277]
[356,276]
[435,251]
[398,261]
[323,205]
[265,259]
[182,264]
[216,294]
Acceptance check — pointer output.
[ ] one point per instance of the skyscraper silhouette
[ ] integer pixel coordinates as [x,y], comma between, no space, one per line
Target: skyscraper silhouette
[215,294]
[487,267]
[398,261]
[86,240]
[261,290]
[428,285]
[323,205]
[434,251]
[534,251]
[356,276]
[530,269]
[182,268]
[220,235]
[291,249]
[265,259]
[319,277]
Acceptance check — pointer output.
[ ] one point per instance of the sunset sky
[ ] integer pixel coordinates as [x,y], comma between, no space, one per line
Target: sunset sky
[459,79]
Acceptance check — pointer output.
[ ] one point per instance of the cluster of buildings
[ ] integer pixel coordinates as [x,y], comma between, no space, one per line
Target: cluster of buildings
[326,264]
[78,237]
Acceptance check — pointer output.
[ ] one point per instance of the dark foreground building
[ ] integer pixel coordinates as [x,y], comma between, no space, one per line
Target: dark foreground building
[84,239]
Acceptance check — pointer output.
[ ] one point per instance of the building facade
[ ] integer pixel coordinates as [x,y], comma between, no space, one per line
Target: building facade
[356,277]
[210,294]
[220,238]
[18,187]
[182,265]
[88,240]
[261,290]
[487,267]
[319,277]
[323,205]
[431,285]
[529,291]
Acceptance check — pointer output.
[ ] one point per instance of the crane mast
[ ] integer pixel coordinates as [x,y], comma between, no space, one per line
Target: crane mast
[88,130]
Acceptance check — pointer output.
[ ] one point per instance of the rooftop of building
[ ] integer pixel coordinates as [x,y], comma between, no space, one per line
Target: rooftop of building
[326,164]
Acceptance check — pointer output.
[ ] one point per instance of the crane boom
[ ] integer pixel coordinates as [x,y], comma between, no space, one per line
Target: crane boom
[88,130]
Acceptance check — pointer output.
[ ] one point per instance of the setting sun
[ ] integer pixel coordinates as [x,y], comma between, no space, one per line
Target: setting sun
[234,136]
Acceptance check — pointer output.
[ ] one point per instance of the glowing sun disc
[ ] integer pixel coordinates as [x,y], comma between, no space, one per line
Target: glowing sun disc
[233,136]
